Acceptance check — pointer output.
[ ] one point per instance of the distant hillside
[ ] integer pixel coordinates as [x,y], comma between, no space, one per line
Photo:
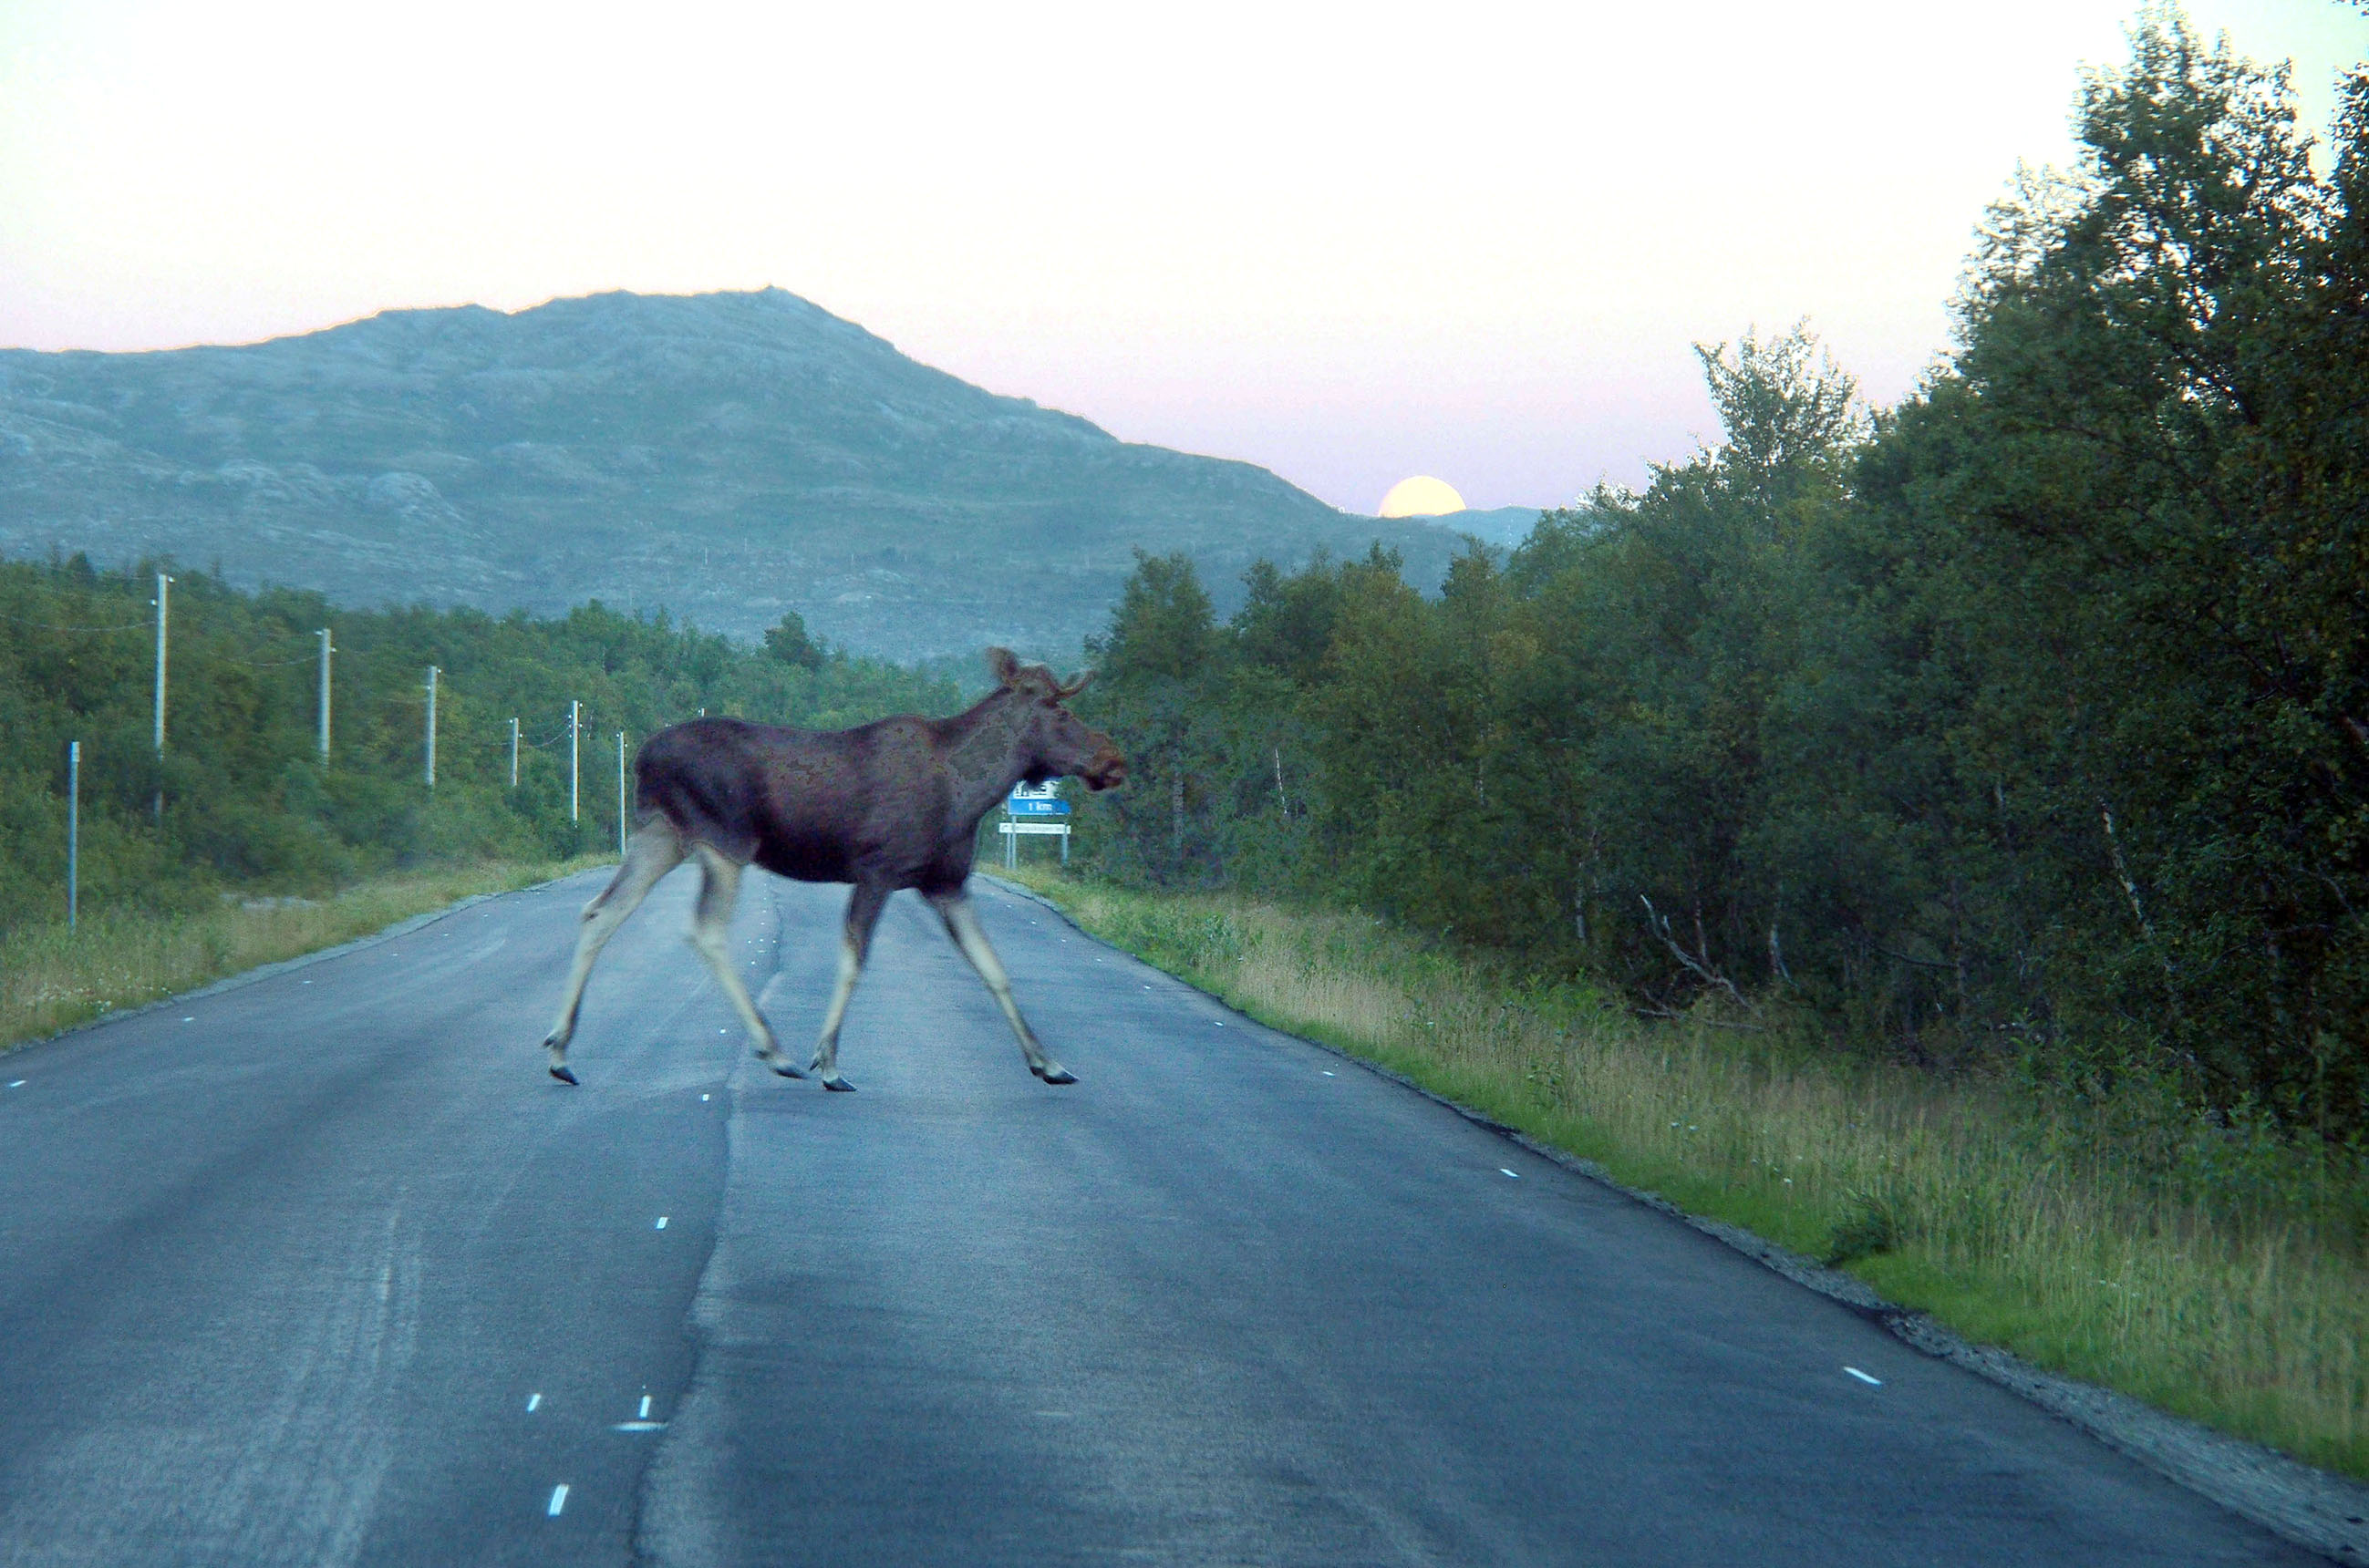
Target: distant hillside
[1502,526]
[728,456]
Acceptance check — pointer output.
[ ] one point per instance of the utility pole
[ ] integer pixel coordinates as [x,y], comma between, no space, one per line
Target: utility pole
[164,584]
[514,753]
[325,651]
[575,734]
[621,795]
[73,831]
[431,727]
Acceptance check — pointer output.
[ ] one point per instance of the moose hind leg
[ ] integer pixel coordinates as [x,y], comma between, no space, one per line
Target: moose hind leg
[863,908]
[655,849]
[962,924]
[711,932]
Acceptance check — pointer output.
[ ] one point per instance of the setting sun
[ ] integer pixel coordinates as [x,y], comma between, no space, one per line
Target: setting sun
[1422,496]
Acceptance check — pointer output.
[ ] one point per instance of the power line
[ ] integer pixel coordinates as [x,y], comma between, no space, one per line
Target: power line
[47,626]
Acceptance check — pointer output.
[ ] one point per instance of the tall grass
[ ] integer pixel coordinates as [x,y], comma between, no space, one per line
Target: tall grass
[2212,1268]
[51,979]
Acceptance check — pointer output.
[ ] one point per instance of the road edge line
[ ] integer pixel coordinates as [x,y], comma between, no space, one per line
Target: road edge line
[282,966]
[2299,1503]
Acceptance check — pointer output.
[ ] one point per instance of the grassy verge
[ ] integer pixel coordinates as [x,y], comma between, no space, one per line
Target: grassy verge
[51,979]
[2214,1271]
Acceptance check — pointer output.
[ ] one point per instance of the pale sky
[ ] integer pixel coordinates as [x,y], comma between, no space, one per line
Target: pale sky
[1351,243]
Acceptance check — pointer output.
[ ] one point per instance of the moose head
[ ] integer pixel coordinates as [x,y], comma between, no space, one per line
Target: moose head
[1054,740]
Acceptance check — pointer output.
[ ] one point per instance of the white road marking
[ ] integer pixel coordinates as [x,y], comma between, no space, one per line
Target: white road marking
[1503,1172]
[189,1020]
[644,1414]
[661,1224]
[702,1098]
[639,1427]
[533,1402]
[1328,1073]
[1871,1382]
[558,1501]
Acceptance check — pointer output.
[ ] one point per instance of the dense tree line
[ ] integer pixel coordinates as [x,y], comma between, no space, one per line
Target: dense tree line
[247,803]
[2030,716]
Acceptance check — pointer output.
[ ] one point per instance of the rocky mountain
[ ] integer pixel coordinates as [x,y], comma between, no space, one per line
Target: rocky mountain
[727,456]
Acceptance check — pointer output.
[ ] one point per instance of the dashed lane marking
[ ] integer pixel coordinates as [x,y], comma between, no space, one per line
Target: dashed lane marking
[643,1413]
[661,1224]
[558,1501]
[533,1403]
[1870,1382]
[1503,1172]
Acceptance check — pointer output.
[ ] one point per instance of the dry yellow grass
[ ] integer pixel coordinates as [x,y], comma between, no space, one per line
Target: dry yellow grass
[51,979]
[2215,1272]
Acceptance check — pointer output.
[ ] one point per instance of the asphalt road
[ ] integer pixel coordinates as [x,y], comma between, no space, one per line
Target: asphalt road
[323,1269]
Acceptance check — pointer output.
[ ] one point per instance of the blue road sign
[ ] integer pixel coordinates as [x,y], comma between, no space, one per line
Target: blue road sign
[1019,807]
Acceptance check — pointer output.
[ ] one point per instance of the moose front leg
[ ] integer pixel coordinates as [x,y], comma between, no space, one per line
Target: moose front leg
[863,908]
[962,924]
[711,932]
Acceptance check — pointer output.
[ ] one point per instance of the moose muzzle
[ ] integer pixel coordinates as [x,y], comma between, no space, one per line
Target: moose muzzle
[1106,770]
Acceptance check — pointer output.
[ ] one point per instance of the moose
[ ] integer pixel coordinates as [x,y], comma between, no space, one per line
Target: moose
[885,806]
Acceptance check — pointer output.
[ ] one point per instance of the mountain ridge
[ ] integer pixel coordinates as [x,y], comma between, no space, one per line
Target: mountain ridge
[728,456]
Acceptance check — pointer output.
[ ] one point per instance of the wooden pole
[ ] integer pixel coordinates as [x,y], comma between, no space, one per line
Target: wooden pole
[325,651]
[73,832]
[164,585]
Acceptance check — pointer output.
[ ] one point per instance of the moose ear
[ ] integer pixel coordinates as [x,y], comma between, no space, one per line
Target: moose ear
[1066,690]
[1002,665]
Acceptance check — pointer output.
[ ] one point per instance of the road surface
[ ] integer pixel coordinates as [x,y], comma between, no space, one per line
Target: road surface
[323,1269]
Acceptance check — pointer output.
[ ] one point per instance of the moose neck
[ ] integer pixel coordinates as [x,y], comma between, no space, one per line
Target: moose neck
[983,749]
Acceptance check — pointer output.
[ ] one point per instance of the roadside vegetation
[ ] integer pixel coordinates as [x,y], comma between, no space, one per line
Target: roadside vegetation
[241,800]
[262,850]
[1935,836]
[2124,1238]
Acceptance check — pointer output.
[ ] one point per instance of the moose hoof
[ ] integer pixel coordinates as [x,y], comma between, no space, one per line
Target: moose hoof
[837,1085]
[562,1074]
[1056,1074]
